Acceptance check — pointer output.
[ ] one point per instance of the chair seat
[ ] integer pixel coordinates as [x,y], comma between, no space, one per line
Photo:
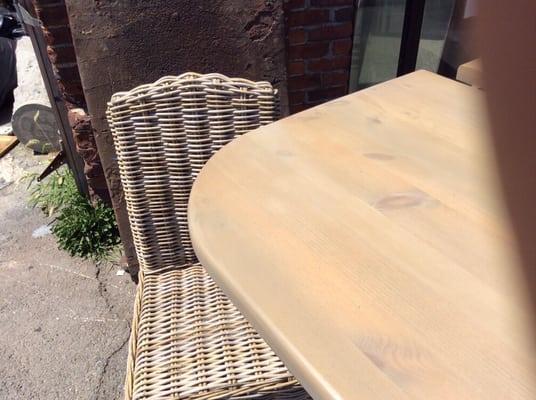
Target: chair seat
[189,341]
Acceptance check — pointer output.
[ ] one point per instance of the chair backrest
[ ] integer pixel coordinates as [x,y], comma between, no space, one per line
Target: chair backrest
[163,134]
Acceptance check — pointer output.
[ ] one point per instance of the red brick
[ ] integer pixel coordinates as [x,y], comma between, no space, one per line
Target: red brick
[327,32]
[328,64]
[296,68]
[331,3]
[294,4]
[58,35]
[72,87]
[72,91]
[344,14]
[343,46]
[297,36]
[338,78]
[61,55]
[304,82]
[311,104]
[298,107]
[326,94]
[296,97]
[74,97]
[53,15]
[310,50]
[307,17]
[67,74]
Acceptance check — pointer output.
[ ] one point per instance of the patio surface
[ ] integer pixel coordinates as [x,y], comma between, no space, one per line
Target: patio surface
[64,323]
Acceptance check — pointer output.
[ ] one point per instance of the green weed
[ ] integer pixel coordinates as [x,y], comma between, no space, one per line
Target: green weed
[82,229]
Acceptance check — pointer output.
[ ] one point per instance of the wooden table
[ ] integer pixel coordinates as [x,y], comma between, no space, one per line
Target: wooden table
[471,73]
[6,144]
[366,241]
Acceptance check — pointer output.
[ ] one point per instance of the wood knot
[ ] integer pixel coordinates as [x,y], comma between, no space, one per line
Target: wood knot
[379,156]
[401,200]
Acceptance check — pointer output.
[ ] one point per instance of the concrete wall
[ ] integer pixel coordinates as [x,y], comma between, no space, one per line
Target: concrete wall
[123,43]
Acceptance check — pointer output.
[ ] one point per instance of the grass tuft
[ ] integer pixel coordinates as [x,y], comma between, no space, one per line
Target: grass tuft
[82,229]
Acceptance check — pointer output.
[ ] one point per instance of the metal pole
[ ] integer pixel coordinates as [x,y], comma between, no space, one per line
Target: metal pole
[411,36]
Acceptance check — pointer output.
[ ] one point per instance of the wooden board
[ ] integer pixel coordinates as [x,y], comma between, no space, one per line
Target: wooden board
[471,73]
[367,242]
[6,144]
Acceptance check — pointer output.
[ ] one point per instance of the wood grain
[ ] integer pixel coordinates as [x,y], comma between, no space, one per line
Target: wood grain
[6,144]
[384,265]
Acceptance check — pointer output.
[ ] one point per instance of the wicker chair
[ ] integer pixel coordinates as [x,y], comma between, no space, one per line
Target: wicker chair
[187,340]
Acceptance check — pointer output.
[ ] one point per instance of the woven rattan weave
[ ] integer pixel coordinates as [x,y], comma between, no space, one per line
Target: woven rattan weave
[188,341]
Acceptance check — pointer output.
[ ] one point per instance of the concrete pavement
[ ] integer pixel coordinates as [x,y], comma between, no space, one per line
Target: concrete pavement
[64,322]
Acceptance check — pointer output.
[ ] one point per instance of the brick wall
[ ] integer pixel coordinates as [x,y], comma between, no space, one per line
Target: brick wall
[319,42]
[53,15]
[62,55]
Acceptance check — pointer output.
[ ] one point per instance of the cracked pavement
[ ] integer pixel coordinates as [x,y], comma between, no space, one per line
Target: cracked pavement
[64,322]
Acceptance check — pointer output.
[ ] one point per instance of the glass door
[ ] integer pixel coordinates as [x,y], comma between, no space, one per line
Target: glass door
[395,37]
[377,39]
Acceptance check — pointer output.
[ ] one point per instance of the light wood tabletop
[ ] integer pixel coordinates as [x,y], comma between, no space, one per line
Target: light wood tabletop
[471,73]
[366,240]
